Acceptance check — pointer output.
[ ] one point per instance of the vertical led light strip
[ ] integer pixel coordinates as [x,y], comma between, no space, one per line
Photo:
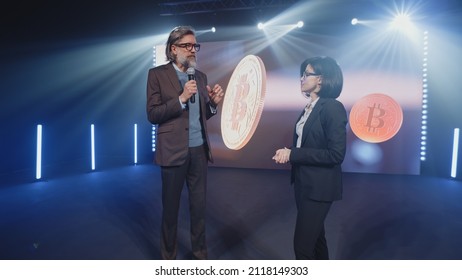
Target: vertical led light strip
[423,136]
[38,164]
[153,138]
[135,147]
[455,153]
[93,165]
[153,131]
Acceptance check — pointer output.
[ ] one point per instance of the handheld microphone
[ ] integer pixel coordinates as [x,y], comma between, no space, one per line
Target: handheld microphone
[191,76]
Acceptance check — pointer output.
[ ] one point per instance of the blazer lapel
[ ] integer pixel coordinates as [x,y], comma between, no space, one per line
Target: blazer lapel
[314,115]
[201,87]
[173,77]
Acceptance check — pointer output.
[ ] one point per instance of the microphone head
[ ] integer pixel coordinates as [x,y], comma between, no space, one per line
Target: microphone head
[191,71]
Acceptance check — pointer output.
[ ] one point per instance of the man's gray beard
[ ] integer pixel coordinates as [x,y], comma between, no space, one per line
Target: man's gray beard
[192,63]
[188,62]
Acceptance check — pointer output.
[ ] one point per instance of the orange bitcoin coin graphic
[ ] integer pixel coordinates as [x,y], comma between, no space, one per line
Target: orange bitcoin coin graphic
[376,118]
[243,102]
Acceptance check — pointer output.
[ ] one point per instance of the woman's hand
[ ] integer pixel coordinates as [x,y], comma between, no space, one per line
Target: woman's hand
[282,155]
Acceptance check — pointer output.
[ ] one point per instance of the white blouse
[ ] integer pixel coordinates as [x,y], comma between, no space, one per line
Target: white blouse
[301,123]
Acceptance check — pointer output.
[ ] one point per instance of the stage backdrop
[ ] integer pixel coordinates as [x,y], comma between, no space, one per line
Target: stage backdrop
[382,85]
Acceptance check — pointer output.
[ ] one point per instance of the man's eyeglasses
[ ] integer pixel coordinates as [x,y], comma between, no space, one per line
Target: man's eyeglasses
[189,46]
[307,74]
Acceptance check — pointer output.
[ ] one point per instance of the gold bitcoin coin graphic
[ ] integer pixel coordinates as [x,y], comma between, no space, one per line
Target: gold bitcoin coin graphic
[243,102]
[376,118]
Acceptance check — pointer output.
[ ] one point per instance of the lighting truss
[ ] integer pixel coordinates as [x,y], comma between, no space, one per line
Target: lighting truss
[170,8]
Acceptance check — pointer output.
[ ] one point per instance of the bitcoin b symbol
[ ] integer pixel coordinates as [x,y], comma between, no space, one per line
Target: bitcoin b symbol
[243,102]
[239,106]
[376,118]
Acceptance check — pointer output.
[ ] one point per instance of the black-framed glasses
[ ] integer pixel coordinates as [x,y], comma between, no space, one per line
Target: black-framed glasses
[189,46]
[307,74]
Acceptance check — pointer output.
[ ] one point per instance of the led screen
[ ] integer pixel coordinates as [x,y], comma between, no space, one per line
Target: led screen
[382,94]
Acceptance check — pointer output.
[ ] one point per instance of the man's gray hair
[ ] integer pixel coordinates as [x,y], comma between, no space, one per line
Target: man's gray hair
[175,35]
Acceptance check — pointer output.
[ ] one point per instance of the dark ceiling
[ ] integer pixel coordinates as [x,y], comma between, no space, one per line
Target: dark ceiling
[29,21]
[45,20]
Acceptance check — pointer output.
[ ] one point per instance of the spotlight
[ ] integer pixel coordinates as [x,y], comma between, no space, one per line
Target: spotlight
[402,22]
[354,21]
[402,19]
[213,29]
[300,24]
[260,26]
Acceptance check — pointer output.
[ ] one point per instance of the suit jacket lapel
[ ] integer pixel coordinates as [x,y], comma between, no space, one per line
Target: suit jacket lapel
[314,115]
[173,77]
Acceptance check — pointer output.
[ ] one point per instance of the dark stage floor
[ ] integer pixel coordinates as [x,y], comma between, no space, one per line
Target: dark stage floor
[115,214]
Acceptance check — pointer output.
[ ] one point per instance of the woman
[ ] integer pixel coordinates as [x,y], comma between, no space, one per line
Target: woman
[318,150]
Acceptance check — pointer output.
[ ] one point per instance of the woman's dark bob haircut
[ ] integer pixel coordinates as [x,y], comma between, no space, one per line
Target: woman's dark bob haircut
[330,72]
